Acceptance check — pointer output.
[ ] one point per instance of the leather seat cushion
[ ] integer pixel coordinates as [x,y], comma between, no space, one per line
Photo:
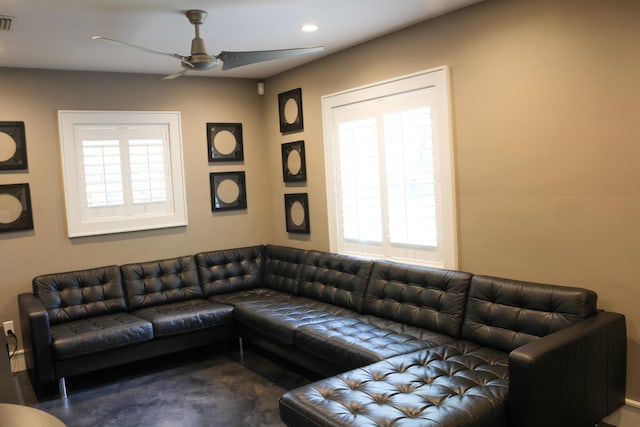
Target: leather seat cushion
[335,279]
[230,270]
[99,333]
[282,268]
[279,319]
[148,284]
[506,314]
[428,298]
[185,316]
[81,294]
[354,342]
[259,294]
[459,384]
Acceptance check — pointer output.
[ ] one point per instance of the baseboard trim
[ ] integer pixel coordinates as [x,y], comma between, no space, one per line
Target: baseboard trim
[632,403]
[17,362]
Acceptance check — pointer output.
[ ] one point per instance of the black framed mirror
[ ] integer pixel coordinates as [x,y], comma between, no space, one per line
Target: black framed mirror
[296,208]
[294,168]
[228,191]
[15,208]
[224,141]
[13,146]
[290,111]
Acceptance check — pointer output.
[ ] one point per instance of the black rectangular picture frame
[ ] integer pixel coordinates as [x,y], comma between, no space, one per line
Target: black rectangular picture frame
[293,222]
[24,221]
[290,174]
[295,96]
[218,201]
[218,130]
[18,159]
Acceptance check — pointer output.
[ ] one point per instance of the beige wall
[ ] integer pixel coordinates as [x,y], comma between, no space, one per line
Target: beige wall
[546,97]
[34,96]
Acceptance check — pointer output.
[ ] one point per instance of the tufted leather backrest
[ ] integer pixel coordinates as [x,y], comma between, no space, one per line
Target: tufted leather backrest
[335,279]
[158,282]
[230,270]
[429,298]
[506,314]
[80,294]
[282,268]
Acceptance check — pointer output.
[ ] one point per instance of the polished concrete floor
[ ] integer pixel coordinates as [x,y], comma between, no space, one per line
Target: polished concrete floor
[205,387]
[627,416]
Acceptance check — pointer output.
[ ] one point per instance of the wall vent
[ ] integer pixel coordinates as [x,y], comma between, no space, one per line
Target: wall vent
[5,22]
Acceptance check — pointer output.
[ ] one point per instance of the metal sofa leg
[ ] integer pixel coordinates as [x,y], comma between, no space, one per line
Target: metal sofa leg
[241,347]
[62,388]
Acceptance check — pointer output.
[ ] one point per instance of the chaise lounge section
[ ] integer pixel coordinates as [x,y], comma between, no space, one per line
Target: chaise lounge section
[399,344]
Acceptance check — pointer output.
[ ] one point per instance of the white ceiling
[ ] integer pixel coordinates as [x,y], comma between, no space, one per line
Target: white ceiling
[56,34]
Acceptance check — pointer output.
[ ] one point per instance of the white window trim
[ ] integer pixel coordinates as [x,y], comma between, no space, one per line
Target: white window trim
[76,225]
[437,78]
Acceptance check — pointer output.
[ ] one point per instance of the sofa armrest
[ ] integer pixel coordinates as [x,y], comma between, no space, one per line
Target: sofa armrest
[36,338]
[573,377]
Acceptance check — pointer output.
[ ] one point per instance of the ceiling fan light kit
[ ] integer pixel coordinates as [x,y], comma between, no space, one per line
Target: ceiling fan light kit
[199,59]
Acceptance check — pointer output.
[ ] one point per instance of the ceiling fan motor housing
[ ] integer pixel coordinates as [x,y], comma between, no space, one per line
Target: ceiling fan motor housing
[199,58]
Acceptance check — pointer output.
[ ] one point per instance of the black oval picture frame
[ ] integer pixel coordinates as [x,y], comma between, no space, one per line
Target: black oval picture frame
[292,226]
[298,123]
[287,174]
[18,160]
[25,220]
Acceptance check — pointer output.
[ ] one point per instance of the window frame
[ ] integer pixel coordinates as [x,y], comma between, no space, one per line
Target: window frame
[438,79]
[71,123]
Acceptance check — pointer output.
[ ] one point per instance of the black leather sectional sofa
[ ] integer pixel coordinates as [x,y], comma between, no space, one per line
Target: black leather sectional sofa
[398,344]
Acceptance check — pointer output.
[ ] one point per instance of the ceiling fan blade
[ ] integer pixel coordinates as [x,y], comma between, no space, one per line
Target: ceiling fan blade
[238,59]
[175,75]
[183,59]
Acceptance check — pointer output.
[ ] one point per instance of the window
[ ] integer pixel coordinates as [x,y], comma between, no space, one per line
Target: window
[389,170]
[122,171]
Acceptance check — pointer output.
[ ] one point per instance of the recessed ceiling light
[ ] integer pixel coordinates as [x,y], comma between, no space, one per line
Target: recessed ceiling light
[309,28]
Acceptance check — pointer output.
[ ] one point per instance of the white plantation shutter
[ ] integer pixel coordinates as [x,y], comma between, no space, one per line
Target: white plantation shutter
[125,170]
[389,171]
[127,174]
[149,166]
[410,173]
[102,173]
[148,177]
[360,180]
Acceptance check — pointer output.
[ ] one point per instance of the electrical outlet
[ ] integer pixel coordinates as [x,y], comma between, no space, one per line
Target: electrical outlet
[8,326]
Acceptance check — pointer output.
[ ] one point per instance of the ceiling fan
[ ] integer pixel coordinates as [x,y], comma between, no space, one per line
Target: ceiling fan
[199,59]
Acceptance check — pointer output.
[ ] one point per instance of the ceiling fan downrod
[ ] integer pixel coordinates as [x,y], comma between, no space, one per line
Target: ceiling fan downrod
[199,58]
